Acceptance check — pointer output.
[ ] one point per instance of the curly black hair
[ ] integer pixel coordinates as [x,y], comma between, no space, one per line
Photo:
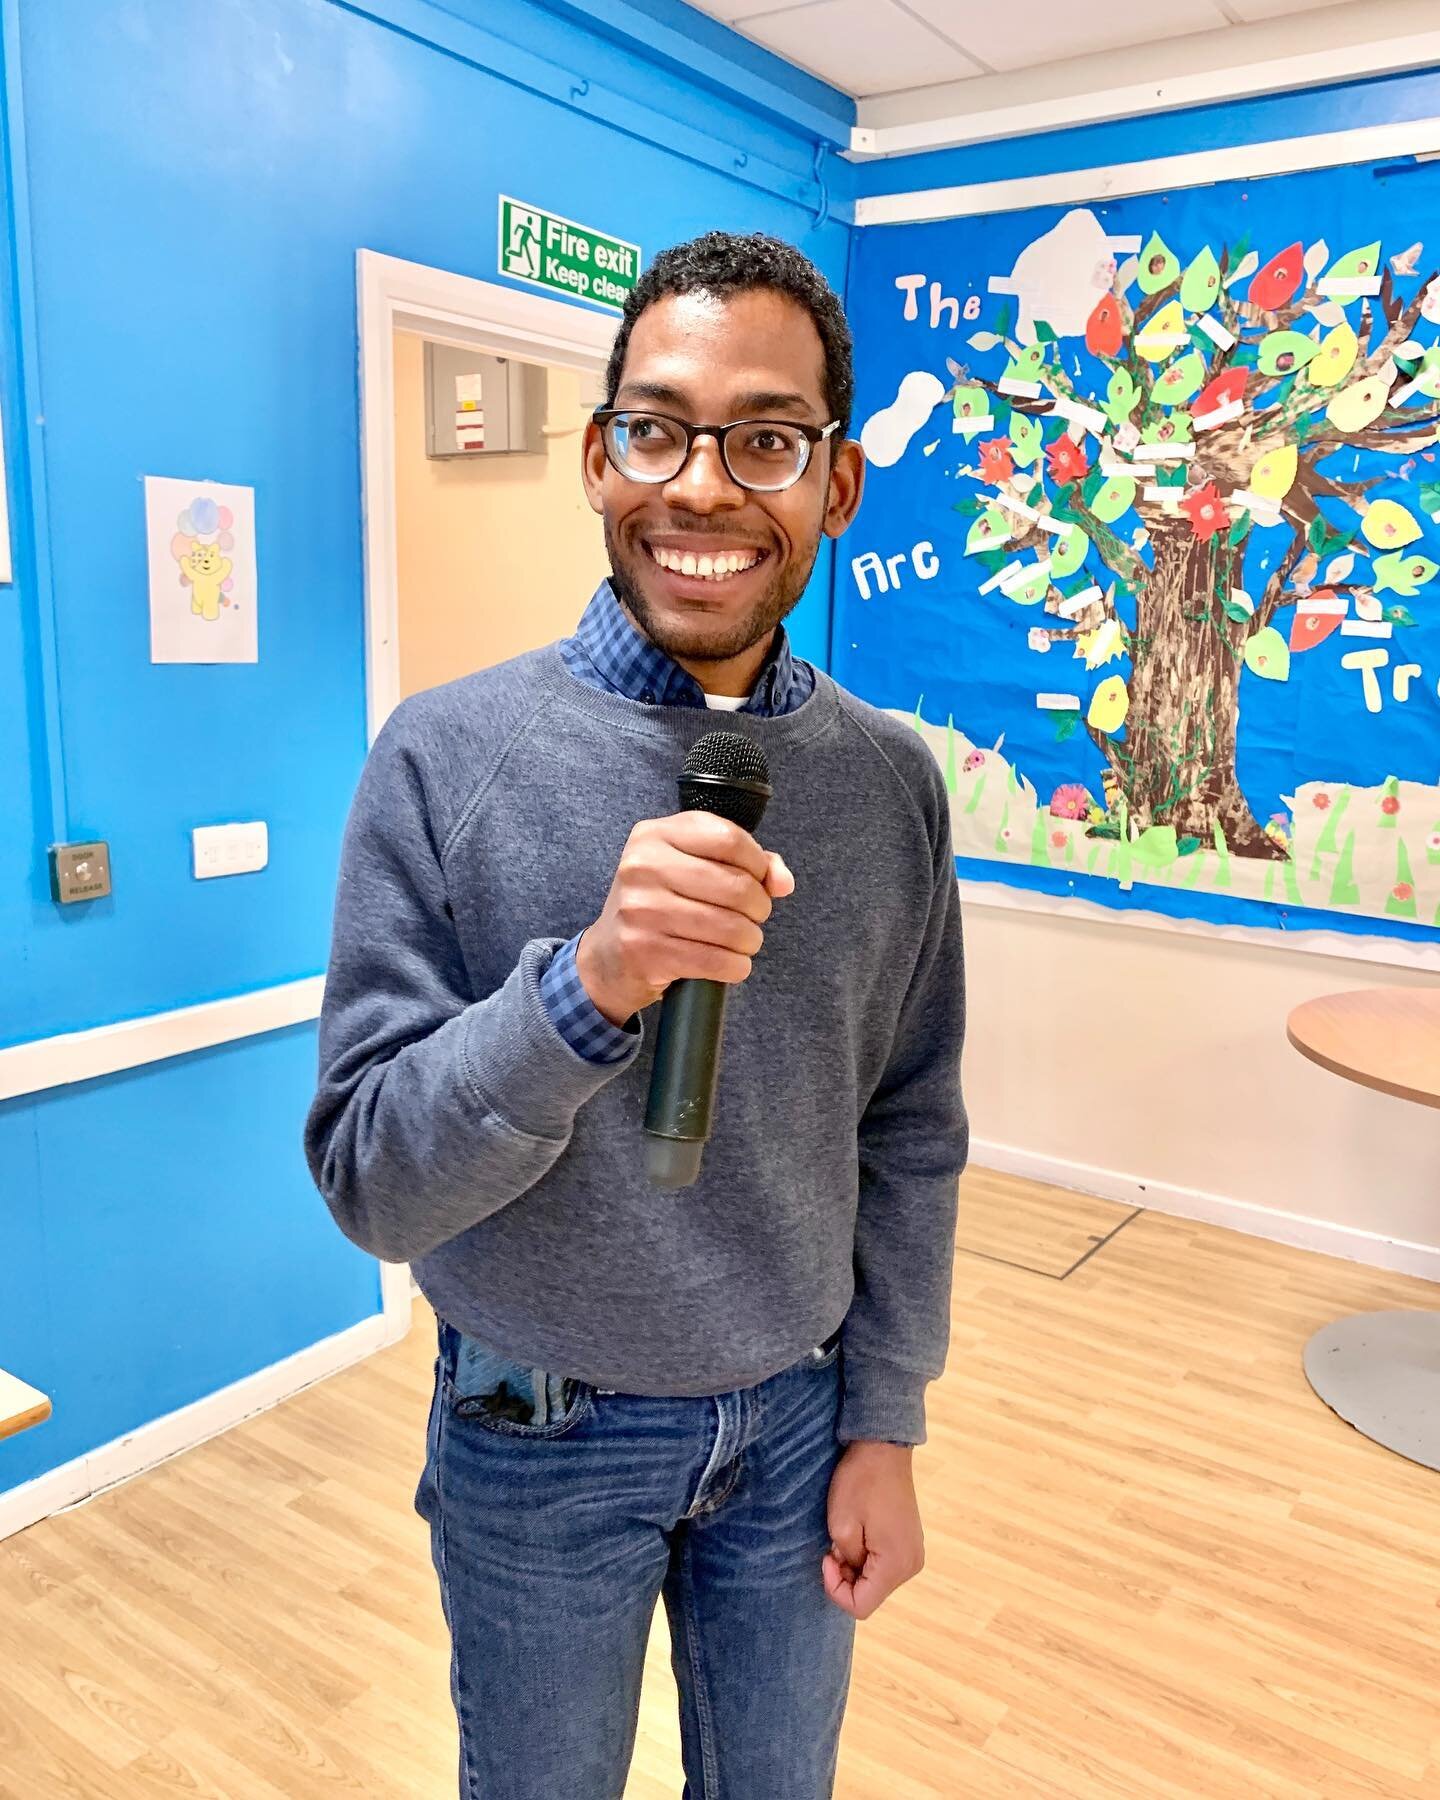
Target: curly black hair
[727,262]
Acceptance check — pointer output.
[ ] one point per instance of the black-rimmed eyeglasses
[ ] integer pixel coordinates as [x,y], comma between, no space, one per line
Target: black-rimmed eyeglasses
[763,455]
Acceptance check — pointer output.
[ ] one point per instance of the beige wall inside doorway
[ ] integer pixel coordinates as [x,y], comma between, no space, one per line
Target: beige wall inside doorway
[497,555]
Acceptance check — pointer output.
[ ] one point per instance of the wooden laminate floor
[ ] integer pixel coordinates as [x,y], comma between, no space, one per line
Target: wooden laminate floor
[1159,1566]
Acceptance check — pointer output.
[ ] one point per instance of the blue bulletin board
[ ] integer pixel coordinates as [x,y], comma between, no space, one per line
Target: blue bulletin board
[1150,547]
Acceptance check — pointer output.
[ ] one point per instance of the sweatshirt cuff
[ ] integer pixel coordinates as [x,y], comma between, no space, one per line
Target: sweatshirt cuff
[518,1064]
[882,1404]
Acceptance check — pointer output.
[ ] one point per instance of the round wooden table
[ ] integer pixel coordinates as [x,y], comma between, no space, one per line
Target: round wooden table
[1380,1371]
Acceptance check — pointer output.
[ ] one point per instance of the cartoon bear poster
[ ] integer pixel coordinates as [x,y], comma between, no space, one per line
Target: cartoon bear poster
[203,599]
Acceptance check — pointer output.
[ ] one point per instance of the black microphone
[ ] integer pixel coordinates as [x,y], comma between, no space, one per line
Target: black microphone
[724,773]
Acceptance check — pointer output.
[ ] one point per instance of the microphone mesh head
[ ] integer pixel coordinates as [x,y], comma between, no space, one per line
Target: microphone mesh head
[727,756]
[726,773]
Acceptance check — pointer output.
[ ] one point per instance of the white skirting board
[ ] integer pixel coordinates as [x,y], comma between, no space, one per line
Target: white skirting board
[157,1442]
[1322,1235]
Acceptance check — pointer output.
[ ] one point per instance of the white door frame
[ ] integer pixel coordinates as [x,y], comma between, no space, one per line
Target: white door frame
[452,309]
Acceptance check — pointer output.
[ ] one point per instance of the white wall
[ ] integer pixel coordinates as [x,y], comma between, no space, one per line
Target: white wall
[1101,1056]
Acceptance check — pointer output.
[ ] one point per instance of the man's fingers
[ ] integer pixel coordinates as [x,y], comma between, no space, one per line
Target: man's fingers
[779,882]
[870,1592]
[847,1541]
[839,1583]
[716,884]
[707,834]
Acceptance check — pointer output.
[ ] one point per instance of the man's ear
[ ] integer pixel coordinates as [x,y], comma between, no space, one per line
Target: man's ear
[847,484]
[592,465]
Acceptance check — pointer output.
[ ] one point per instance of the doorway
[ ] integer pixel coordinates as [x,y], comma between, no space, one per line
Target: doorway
[472,556]
[497,550]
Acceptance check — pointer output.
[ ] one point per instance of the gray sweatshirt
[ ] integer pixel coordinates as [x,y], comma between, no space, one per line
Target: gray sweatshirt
[454,1128]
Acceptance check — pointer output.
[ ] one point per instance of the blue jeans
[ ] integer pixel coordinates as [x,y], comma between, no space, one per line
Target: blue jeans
[559,1515]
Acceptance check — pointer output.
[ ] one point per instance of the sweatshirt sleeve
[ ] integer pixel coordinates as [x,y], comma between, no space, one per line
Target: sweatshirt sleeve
[434,1106]
[913,1140]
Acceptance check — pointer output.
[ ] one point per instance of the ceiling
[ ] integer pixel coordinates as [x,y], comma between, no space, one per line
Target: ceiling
[872,47]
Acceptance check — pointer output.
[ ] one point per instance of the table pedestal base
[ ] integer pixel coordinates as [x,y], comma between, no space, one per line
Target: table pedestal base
[1381,1373]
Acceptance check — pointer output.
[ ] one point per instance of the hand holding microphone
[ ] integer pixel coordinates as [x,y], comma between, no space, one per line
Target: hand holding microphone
[683,919]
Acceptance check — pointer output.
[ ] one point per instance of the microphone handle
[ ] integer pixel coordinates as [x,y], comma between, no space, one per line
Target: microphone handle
[683,1080]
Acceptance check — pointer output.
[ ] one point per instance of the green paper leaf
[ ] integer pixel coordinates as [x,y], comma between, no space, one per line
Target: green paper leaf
[1285,352]
[1069,553]
[1430,496]
[1066,725]
[1030,592]
[1201,285]
[1026,439]
[1043,333]
[1268,655]
[1158,265]
[1026,364]
[1156,847]
[1399,615]
[1181,381]
[1114,495]
[1234,610]
[991,529]
[1403,572]
[1239,531]
[1121,396]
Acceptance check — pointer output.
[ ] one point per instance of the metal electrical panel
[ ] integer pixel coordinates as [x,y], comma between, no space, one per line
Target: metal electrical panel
[481,405]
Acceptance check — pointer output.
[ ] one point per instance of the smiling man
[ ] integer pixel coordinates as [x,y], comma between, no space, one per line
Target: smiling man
[711,1396]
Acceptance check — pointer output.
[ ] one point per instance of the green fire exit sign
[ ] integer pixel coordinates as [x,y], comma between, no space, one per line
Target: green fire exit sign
[550,252]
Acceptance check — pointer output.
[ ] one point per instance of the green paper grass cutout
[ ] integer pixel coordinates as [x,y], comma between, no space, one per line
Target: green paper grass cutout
[1343,889]
[1400,903]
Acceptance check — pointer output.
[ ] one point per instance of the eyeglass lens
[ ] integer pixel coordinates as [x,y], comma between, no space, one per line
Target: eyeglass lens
[763,454]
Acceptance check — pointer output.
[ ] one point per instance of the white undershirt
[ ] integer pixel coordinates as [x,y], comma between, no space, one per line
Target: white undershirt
[726,702]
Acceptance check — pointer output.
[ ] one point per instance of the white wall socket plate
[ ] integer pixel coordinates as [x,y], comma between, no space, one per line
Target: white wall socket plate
[230,849]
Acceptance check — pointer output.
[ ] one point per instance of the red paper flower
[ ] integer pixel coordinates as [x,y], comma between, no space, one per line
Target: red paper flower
[1207,511]
[1067,461]
[1057,840]
[1402,890]
[996,463]
[1390,804]
[1322,801]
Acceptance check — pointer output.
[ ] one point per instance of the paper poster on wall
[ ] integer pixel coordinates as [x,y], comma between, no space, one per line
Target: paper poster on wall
[1151,543]
[203,603]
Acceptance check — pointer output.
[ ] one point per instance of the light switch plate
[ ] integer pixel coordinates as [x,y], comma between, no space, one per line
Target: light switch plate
[79,872]
[230,849]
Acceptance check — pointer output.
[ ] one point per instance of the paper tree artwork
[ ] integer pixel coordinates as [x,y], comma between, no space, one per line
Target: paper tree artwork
[1209,500]
[202,571]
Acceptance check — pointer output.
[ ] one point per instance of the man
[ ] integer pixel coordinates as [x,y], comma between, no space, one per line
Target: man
[713,1394]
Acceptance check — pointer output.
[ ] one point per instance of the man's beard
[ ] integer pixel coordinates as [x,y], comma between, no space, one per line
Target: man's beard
[706,640]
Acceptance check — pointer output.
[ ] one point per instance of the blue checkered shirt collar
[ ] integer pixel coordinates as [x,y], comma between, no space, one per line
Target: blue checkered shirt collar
[608,652]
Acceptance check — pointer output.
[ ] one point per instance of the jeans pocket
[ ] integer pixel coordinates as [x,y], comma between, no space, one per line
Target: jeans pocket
[505,1397]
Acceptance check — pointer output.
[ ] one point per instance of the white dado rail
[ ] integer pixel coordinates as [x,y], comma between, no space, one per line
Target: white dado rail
[107,1049]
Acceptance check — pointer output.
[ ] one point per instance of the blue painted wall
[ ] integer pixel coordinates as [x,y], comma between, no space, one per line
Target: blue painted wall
[199,180]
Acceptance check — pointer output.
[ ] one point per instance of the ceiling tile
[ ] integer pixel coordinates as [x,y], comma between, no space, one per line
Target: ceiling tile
[1250,10]
[863,46]
[736,11]
[1042,31]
